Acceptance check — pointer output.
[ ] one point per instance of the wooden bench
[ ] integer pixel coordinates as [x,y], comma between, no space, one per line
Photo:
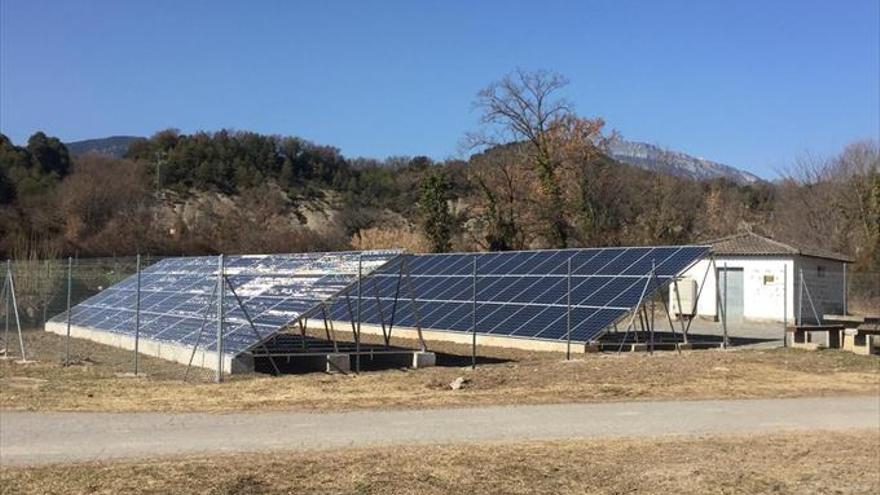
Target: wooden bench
[801,336]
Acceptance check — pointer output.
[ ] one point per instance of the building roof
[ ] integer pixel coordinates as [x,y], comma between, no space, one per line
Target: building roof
[751,244]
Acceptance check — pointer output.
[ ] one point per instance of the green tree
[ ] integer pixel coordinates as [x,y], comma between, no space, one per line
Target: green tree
[438,222]
[7,189]
[50,154]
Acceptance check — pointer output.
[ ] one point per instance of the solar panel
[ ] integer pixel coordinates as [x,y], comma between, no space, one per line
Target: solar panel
[519,294]
[177,296]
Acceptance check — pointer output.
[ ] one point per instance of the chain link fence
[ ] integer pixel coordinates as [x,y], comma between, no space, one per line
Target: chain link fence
[863,290]
[41,292]
[41,286]
[41,289]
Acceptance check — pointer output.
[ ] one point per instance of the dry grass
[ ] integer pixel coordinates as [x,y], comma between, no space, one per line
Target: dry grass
[819,462]
[517,377]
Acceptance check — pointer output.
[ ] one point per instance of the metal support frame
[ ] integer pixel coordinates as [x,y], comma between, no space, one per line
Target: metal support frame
[302,333]
[218,376]
[394,303]
[5,294]
[357,336]
[680,312]
[351,317]
[207,313]
[251,323]
[568,310]
[799,320]
[810,300]
[636,310]
[709,266]
[328,327]
[69,296]
[474,316]
[651,324]
[725,343]
[666,309]
[415,308]
[137,313]
[355,316]
[10,296]
[784,305]
[385,334]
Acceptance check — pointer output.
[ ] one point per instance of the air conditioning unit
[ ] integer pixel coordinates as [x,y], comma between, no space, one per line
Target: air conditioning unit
[687,295]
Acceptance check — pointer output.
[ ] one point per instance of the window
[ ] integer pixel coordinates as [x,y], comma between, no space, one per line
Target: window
[820,271]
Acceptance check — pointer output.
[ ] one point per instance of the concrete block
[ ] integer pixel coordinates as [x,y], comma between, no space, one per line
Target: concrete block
[424,359]
[592,347]
[337,363]
[849,339]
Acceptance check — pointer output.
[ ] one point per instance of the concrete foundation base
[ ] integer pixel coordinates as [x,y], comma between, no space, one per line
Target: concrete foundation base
[424,359]
[164,350]
[864,344]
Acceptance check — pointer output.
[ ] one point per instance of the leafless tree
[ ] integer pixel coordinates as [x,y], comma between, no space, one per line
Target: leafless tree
[525,107]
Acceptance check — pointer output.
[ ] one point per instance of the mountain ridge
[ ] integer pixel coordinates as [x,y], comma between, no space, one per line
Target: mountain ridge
[640,154]
[677,163]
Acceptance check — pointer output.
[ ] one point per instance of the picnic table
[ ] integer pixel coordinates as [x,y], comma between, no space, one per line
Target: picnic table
[861,333]
[801,336]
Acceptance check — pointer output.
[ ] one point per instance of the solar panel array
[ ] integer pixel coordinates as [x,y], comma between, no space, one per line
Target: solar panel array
[519,294]
[177,296]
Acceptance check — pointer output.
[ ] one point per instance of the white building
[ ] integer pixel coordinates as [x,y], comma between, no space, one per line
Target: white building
[764,281]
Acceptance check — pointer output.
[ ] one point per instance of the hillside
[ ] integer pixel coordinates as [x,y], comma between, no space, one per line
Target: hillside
[643,155]
[115,146]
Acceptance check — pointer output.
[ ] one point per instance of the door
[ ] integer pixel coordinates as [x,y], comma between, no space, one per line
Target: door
[730,287]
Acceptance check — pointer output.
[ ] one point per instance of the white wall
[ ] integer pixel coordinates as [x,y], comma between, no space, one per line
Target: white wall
[765,281]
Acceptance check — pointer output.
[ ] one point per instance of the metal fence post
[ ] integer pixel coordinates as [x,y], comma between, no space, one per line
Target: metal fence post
[800,308]
[218,376]
[15,308]
[6,296]
[137,312]
[724,315]
[357,334]
[784,305]
[69,295]
[474,315]
[568,310]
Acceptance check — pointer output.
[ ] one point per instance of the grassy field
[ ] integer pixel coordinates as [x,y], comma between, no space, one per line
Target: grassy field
[818,462]
[97,382]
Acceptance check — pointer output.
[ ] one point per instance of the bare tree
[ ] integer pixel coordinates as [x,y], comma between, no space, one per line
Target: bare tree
[525,107]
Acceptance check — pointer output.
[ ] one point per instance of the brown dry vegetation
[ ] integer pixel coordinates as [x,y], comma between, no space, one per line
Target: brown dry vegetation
[822,462]
[515,377]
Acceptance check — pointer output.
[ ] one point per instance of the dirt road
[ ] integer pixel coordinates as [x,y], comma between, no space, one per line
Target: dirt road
[39,438]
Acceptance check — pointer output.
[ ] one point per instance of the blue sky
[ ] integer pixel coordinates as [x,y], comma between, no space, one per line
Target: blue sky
[751,84]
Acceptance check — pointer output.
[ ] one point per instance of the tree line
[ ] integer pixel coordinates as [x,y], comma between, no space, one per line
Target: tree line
[537,177]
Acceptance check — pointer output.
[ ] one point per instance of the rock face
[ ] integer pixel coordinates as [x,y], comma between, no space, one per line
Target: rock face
[651,157]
